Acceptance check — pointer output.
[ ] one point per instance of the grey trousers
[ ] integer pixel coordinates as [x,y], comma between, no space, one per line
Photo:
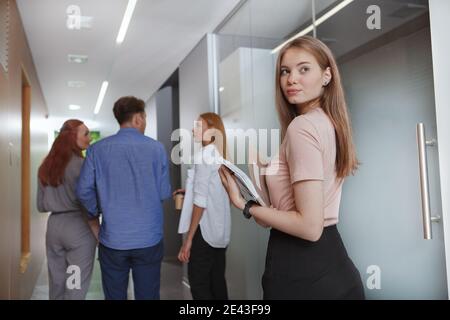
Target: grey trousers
[70,248]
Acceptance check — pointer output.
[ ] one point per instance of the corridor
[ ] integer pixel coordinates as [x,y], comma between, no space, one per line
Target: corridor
[113,100]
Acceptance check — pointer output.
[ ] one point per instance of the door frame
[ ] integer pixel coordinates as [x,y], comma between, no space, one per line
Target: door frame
[439,11]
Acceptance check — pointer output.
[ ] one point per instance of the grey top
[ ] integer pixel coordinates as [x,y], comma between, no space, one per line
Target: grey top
[63,197]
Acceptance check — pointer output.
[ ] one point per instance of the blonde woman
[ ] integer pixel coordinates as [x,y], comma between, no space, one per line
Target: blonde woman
[306,258]
[208,227]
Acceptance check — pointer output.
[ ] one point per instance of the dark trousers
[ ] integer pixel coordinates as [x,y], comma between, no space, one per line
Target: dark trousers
[206,270]
[145,265]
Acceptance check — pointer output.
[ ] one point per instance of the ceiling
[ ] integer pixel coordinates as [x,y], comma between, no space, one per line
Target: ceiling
[160,35]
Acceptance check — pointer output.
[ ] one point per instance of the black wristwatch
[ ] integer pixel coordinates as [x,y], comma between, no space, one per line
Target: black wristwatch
[247,207]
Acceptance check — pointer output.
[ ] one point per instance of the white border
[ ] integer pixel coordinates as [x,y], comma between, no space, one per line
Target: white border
[439,11]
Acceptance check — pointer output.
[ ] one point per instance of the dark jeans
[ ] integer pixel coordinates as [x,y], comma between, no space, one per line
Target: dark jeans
[206,270]
[145,265]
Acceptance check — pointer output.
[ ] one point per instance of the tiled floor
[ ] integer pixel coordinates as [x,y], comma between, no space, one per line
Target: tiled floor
[171,284]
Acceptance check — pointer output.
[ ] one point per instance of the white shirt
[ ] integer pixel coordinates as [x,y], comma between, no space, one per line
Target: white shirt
[204,189]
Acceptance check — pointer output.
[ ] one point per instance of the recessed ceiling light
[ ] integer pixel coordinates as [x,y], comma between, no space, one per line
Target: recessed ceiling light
[76,84]
[74,107]
[221,89]
[77,58]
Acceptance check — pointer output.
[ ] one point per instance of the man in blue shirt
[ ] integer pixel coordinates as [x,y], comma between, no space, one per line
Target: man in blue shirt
[125,178]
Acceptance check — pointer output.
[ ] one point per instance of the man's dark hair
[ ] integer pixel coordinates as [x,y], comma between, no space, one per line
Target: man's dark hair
[126,107]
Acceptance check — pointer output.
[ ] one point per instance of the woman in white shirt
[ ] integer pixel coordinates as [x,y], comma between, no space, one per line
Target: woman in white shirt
[204,247]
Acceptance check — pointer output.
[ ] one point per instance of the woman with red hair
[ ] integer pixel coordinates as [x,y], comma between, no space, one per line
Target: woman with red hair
[71,238]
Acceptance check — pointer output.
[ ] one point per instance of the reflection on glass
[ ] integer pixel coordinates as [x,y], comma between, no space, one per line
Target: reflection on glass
[358,23]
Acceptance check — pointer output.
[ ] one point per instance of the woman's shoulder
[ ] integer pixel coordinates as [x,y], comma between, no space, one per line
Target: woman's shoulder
[75,163]
[313,122]
[76,159]
[301,123]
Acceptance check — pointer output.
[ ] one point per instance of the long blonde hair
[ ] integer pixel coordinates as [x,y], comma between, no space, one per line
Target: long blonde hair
[332,102]
[219,139]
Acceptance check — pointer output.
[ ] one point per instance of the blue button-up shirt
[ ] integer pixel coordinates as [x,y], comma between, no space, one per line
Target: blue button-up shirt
[125,177]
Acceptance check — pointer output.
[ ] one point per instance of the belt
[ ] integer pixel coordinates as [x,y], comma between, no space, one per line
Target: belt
[68,211]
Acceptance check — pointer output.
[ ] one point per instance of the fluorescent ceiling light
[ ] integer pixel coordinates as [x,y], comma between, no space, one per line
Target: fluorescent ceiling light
[77,58]
[101,96]
[74,107]
[126,21]
[318,22]
[76,84]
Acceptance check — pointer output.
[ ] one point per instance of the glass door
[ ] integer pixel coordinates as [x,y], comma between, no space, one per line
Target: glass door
[384,53]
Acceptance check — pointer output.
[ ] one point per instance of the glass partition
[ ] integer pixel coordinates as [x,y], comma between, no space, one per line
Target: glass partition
[246,82]
[383,50]
[385,58]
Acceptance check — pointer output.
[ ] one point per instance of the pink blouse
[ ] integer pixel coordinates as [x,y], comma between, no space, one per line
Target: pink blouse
[308,152]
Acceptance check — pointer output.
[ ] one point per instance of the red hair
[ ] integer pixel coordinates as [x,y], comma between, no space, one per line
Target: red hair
[51,171]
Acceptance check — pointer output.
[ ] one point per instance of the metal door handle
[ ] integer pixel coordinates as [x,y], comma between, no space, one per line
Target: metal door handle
[424,186]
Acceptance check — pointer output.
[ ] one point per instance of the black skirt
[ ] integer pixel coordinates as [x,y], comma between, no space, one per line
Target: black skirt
[301,269]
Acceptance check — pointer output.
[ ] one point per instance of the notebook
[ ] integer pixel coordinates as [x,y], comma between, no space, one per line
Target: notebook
[253,187]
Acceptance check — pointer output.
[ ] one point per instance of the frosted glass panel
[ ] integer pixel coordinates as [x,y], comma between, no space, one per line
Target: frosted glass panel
[388,80]
[245,103]
[246,75]
[246,99]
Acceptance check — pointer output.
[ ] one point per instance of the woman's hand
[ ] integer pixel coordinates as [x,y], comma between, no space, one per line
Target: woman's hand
[232,188]
[94,224]
[185,251]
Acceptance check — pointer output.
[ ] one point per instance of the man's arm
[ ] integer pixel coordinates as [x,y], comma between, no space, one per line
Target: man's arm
[86,187]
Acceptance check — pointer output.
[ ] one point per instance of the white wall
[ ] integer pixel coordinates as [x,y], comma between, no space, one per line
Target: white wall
[439,15]
[196,78]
